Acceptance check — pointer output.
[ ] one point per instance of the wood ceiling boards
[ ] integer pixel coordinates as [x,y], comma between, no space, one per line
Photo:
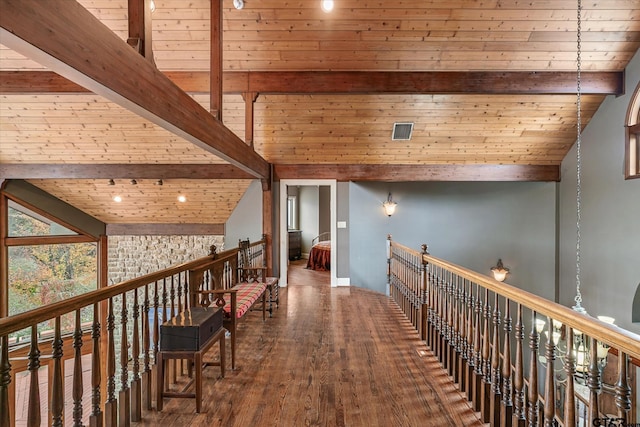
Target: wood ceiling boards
[489,87]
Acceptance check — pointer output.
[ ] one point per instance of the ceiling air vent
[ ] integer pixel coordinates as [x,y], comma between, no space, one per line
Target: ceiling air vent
[402,131]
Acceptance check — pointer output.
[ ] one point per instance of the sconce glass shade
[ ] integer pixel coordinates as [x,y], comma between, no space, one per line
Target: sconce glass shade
[607,319]
[540,325]
[499,271]
[389,206]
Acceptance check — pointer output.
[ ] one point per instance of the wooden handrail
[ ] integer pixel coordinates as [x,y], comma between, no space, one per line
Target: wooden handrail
[20,321]
[612,335]
[458,313]
[606,333]
[124,338]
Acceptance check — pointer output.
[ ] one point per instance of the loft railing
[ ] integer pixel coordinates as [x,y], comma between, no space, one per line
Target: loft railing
[121,343]
[556,378]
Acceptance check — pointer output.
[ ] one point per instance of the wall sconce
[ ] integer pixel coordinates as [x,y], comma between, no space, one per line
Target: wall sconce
[499,271]
[389,206]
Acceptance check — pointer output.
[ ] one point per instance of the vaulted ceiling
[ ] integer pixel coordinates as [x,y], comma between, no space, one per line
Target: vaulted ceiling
[490,87]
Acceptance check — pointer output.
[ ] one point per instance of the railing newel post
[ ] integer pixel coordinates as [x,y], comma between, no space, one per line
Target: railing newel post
[549,384]
[496,380]
[532,396]
[77,372]
[95,420]
[34,412]
[519,415]
[506,408]
[622,389]
[57,388]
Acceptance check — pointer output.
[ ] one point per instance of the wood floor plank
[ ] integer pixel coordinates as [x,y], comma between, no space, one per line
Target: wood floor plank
[328,357]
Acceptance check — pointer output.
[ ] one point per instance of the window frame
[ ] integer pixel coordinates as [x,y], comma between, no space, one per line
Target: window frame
[632,137]
[292,212]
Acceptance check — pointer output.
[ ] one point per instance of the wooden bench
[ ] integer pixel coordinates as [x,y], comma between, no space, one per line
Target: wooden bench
[252,266]
[217,283]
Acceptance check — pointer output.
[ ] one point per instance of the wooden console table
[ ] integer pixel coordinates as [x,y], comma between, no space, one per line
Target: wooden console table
[196,358]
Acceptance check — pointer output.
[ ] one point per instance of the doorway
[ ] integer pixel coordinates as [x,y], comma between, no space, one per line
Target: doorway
[284,224]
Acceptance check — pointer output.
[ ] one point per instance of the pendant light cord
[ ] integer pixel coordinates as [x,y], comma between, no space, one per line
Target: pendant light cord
[578,297]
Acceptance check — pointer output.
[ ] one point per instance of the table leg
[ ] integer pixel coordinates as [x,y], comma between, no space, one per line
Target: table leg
[159,381]
[222,355]
[198,368]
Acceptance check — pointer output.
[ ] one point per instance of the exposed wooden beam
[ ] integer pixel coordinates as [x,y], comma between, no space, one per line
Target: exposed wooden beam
[130,171]
[164,229]
[274,82]
[249,99]
[75,44]
[215,65]
[466,82]
[140,27]
[401,173]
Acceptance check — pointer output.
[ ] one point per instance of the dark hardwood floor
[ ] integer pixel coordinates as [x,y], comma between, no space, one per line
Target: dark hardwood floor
[328,357]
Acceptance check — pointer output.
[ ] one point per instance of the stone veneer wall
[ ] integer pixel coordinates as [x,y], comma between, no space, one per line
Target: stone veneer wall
[135,256]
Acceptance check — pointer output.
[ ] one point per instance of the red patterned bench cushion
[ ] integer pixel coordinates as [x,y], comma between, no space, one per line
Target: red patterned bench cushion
[247,294]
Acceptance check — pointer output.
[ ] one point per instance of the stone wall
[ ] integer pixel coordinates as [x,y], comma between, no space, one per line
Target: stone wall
[135,256]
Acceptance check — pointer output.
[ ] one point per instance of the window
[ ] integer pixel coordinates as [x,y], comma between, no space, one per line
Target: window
[632,150]
[292,213]
[42,271]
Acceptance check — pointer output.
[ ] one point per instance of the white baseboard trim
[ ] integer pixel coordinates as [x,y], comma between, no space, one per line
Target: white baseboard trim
[343,281]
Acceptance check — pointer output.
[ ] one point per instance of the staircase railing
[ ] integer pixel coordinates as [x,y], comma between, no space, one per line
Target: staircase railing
[122,342]
[467,320]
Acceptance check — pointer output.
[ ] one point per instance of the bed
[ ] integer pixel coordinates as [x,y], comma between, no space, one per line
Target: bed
[320,254]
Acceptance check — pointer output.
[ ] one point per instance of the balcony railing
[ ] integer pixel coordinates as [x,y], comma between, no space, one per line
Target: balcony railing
[467,320]
[475,325]
[121,344]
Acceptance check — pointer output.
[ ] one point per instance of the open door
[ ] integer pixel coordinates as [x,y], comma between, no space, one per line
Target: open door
[284,241]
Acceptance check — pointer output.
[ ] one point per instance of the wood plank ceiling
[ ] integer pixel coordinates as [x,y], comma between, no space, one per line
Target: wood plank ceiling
[502,127]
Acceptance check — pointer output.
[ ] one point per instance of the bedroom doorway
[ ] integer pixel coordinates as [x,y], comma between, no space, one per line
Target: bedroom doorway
[289,220]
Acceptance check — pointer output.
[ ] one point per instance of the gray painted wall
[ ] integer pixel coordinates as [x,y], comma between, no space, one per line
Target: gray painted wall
[610,211]
[470,224]
[342,238]
[324,209]
[308,197]
[246,219]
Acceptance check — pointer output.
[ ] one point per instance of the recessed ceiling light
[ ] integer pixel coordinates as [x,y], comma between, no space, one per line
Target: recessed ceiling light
[182,198]
[117,199]
[327,5]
